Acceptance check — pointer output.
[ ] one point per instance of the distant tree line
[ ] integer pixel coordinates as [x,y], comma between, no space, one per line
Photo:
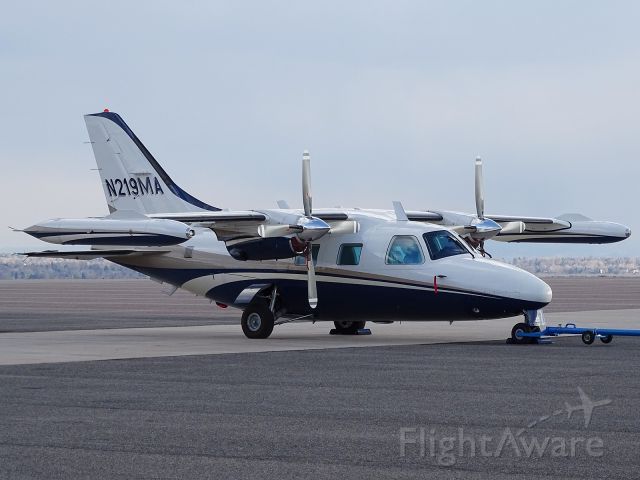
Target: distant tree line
[582,266]
[18,267]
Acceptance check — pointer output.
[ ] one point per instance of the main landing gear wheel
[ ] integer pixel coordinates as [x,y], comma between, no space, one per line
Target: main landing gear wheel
[588,337]
[606,338]
[348,328]
[520,328]
[257,321]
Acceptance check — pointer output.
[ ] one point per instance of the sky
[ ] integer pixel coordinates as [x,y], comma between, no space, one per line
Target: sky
[393,99]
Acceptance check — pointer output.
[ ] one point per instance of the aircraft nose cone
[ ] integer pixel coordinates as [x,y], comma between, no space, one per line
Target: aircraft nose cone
[541,292]
[534,292]
[628,232]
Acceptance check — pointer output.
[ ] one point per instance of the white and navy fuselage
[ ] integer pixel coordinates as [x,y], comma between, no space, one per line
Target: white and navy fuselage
[463,286]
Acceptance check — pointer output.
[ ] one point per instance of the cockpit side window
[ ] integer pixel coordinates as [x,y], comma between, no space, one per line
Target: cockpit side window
[443,244]
[404,250]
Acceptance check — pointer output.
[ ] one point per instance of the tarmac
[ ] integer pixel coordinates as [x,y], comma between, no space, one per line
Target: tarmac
[111,379]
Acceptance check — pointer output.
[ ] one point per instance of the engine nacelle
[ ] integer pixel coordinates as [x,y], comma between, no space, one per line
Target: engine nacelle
[264,249]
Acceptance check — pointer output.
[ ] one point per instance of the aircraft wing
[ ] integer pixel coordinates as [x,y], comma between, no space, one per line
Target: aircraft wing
[218,217]
[241,224]
[93,254]
[530,220]
[227,225]
[569,228]
[526,229]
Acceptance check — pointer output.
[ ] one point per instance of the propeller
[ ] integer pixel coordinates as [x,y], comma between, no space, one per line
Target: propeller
[314,226]
[307,229]
[480,228]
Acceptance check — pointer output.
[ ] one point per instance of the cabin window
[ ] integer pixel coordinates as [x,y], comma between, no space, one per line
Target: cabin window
[443,244]
[302,261]
[349,254]
[404,250]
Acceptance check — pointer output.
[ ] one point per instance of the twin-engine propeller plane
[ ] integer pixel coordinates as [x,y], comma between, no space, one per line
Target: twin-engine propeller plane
[347,265]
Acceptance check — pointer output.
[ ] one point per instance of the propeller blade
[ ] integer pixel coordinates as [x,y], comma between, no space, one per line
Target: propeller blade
[306,183]
[311,281]
[479,189]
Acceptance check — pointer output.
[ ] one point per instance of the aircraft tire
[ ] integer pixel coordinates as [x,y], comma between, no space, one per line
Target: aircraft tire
[606,339]
[520,327]
[257,321]
[348,328]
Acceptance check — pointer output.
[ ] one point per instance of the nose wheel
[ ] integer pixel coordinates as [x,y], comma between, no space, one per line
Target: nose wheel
[520,328]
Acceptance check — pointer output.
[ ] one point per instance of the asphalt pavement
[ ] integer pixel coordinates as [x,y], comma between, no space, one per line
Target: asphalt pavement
[337,413]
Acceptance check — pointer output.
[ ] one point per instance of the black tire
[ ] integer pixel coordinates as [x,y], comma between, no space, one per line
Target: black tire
[257,321]
[588,337]
[348,328]
[606,339]
[520,328]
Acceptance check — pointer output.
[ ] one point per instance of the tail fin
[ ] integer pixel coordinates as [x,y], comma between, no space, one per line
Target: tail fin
[131,178]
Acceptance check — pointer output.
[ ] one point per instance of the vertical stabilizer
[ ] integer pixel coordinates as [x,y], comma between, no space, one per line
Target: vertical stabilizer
[131,178]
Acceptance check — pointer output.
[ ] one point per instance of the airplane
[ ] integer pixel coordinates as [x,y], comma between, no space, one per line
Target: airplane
[342,265]
[587,405]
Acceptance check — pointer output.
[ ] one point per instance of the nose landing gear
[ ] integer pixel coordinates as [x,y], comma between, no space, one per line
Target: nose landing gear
[520,328]
[533,324]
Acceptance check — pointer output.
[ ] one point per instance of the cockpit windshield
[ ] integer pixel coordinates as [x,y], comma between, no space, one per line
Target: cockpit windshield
[443,243]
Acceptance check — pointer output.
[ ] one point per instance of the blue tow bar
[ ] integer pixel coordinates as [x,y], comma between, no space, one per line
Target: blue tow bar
[588,334]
